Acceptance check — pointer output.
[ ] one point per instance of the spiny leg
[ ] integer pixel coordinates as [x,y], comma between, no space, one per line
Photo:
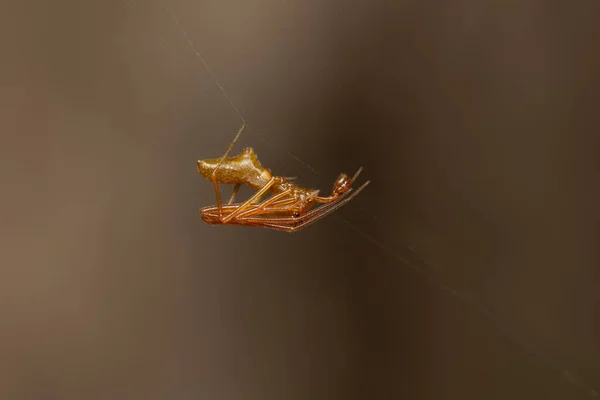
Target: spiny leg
[297,219]
[291,224]
[286,205]
[262,207]
[249,202]
[214,174]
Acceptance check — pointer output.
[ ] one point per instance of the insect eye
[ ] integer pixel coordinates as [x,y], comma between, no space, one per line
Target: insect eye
[296,214]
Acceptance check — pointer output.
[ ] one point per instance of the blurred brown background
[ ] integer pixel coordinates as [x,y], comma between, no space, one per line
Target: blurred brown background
[468,269]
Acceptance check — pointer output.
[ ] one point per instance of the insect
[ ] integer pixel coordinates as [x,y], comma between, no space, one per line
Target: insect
[289,208]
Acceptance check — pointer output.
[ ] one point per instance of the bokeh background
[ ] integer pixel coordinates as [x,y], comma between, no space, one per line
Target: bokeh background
[467,269]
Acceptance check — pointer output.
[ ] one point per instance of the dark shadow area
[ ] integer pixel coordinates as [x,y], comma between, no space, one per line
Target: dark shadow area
[466,270]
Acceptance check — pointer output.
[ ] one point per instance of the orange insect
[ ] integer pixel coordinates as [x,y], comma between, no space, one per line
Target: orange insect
[289,208]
